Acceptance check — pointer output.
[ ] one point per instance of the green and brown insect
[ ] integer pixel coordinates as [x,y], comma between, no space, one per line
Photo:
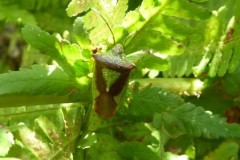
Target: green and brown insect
[112,71]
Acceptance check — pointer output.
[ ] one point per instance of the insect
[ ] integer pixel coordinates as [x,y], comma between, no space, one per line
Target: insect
[111,74]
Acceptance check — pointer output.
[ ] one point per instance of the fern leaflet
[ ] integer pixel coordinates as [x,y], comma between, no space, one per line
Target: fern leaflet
[177,117]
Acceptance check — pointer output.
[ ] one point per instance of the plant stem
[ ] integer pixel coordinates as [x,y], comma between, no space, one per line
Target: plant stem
[187,86]
[14,100]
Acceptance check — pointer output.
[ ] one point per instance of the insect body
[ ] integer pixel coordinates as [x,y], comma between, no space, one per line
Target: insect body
[111,75]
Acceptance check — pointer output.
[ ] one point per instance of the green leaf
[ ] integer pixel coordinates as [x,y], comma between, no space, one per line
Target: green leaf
[199,69]
[234,63]
[41,40]
[145,32]
[78,6]
[50,130]
[120,34]
[47,44]
[6,141]
[27,115]
[168,110]
[78,59]
[132,21]
[95,20]
[81,33]
[138,132]
[136,150]
[43,131]
[71,52]
[104,149]
[37,80]
[222,39]
[150,61]
[167,121]
[12,13]
[198,122]
[87,140]
[155,40]
[35,146]
[96,123]
[151,100]
[227,150]
[226,57]
[118,11]
[214,65]
[179,27]
[54,19]
[187,9]
[149,8]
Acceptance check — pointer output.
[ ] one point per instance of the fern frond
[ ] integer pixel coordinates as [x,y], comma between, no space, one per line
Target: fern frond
[151,100]
[169,111]
[47,44]
[234,62]
[146,32]
[198,122]
[217,48]
[215,62]
[100,32]
[37,80]
[226,150]
[226,57]
[44,136]
[100,14]
[6,139]
[81,34]
[187,9]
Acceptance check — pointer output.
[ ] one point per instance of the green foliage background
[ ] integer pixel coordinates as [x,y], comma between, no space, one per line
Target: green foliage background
[181,101]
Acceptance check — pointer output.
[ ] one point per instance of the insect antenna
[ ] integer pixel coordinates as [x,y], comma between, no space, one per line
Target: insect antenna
[125,40]
[96,11]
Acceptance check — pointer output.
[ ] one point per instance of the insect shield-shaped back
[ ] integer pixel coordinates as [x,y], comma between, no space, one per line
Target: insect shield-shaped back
[111,75]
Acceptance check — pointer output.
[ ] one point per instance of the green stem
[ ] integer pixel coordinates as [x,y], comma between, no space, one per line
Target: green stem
[14,100]
[187,86]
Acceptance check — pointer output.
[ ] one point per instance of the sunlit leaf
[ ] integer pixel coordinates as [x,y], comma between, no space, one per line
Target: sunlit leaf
[49,80]
[6,141]
[78,6]
[46,43]
[81,33]
[226,150]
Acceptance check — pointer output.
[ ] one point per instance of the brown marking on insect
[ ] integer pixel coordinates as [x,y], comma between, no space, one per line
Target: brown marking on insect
[105,105]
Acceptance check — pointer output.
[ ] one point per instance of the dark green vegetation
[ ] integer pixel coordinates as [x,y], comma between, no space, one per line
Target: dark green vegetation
[183,94]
